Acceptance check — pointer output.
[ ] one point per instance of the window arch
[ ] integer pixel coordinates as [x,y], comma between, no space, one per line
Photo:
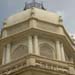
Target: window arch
[46,50]
[20,51]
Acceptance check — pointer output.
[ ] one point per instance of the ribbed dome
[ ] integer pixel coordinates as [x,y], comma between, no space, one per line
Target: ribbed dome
[39,14]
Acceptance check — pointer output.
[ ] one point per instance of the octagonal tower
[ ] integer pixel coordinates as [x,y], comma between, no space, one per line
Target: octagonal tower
[34,42]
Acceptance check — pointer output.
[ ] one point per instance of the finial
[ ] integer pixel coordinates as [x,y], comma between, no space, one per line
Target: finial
[60,17]
[60,20]
[33,3]
[25,6]
[42,6]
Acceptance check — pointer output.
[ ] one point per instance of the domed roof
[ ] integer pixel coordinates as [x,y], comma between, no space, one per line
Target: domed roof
[39,14]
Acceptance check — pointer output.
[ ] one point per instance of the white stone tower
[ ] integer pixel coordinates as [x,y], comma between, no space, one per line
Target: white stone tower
[35,42]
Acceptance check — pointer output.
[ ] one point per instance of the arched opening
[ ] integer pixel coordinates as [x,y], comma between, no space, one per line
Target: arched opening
[46,50]
[20,51]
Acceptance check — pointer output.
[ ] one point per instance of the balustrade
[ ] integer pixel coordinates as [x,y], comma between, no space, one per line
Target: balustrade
[44,63]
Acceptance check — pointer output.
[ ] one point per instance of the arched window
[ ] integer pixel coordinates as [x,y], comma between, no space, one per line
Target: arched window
[46,50]
[20,51]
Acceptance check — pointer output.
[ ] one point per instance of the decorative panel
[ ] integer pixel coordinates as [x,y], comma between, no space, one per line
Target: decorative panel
[18,28]
[47,27]
[19,52]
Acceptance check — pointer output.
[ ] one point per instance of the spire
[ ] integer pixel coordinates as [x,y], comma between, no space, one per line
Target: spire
[34,4]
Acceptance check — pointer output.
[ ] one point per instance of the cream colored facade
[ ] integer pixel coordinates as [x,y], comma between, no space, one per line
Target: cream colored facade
[35,42]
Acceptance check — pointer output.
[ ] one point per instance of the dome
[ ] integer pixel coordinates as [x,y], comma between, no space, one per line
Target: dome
[39,14]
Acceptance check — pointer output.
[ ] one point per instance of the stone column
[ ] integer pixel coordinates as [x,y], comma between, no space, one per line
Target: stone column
[8,57]
[62,52]
[30,45]
[4,55]
[36,45]
[4,33]
[58,50]
[30,60]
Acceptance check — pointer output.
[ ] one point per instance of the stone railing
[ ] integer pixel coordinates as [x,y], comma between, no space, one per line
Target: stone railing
[38,61]
[54,65]
[13,66]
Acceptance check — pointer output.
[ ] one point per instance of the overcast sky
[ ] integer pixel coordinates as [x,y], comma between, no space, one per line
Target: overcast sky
[65,7]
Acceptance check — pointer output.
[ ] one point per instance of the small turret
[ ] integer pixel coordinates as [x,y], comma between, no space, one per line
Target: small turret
[33,4]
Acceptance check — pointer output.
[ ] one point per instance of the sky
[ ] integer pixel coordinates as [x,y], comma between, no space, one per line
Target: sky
[66,8]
